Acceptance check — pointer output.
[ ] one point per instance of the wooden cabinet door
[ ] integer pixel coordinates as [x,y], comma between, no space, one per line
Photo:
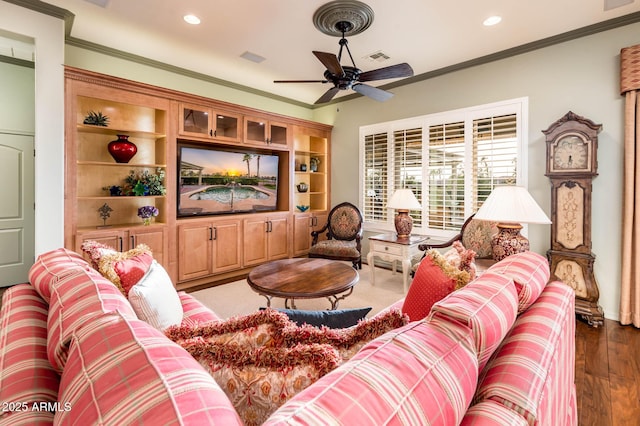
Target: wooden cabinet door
[227,245]
[154,237]
[255,241]
[318,221]
[301,233]
[278,238]
[194,251]
[112,238]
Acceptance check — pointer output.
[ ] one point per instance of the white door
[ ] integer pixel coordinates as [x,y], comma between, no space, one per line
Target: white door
[17,210]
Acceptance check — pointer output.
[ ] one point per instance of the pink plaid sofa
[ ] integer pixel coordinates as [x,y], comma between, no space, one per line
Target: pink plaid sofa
[500,351]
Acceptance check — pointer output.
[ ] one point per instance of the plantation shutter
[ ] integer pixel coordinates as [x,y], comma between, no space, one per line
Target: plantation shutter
[375,177]
[495,154]
[407,165]
[446,176]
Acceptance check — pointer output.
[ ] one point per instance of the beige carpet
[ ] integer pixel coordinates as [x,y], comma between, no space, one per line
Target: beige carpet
[237,298]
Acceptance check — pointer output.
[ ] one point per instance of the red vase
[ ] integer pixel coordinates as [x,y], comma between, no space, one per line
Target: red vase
[122,150]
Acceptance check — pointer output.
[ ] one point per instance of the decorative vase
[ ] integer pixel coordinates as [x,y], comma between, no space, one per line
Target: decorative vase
[303,167]
[303,187]
[146,221]
[122,149]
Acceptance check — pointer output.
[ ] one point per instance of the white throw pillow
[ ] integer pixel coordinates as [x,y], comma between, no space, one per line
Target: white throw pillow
[155,300]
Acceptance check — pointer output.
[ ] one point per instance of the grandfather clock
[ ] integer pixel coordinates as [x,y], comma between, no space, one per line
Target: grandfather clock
[572,145]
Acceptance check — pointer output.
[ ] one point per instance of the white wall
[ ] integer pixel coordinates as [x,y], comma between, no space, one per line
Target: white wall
[580,76]
[48,35]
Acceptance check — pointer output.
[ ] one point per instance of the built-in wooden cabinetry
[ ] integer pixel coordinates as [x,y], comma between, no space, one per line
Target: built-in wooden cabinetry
[200,250]
[311,184]
[91,171]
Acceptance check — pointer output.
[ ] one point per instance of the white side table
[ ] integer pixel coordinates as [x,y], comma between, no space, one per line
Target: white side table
[390,248]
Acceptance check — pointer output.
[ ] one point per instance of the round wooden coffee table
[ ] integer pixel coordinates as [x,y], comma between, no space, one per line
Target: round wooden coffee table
[303,278]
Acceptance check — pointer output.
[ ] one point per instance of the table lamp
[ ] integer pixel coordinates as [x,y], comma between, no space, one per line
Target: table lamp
[510,206]
[403,200]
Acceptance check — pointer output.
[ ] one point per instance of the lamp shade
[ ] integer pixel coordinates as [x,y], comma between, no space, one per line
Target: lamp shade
[511,204]
[403,199]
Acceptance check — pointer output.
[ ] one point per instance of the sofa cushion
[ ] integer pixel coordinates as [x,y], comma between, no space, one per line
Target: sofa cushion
[51,267]
[261,328]
[545,336]
[414,375]
[340,318]
[434,279]
[26,376]
[348,341]
[270,328]
[75,300]
[530,273]
[269,375]
[462,258]
[487,306]
[94,250]
[123,371]
[491,413]
[194,311]
[155,300]
[125,269]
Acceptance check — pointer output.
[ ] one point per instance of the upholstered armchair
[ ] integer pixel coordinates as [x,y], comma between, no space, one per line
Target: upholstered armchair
[474,235]
[344,234]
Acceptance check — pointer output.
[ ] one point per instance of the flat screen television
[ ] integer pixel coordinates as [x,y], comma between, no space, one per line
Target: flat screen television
[214,180]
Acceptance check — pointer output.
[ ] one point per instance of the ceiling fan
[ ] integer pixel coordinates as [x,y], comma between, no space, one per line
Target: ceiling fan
[351,77]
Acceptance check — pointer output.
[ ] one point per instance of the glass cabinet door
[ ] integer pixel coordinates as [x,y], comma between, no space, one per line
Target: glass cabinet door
[255,131]
[226,126]
[195,121]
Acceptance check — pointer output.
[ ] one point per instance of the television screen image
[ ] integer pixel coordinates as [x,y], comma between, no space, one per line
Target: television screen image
[217,181]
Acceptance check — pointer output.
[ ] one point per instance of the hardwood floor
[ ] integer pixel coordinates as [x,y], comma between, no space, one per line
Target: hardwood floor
[608,374]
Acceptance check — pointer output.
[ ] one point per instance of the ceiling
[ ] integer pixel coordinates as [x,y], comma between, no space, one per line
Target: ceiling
[428,34]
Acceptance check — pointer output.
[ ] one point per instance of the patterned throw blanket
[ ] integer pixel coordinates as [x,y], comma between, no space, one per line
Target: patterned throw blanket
[263,359]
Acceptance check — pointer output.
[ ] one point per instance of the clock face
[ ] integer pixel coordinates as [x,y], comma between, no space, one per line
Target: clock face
[571,152]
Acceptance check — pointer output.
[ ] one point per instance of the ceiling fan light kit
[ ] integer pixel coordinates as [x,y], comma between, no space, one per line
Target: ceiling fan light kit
[342,18]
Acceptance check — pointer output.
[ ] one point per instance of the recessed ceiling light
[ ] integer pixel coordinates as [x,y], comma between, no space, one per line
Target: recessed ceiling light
[492,20]
[191,19]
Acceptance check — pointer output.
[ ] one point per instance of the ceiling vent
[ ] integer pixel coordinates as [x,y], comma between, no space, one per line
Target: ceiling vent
[378,56]
[253,57]
[612,4]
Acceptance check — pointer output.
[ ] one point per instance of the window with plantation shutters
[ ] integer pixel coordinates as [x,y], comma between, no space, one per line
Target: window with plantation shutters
[451,161]
[407,165]
[374,178]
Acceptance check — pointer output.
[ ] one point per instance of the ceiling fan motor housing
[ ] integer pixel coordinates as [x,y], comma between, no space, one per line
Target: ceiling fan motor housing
[345,81]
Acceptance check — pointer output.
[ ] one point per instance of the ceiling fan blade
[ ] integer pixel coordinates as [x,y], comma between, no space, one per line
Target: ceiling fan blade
[300,81]
[394,71]
[330,61]
[328,95]
[372,92]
